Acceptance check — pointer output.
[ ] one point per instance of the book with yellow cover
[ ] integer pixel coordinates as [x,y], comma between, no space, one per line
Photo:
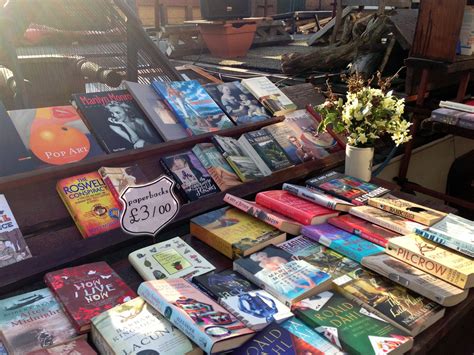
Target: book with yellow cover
[90,203]
[434,259]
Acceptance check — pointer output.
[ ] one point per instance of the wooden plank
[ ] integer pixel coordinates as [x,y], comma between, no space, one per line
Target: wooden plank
[392,3]
[404,25]
[318,35]
[303,95]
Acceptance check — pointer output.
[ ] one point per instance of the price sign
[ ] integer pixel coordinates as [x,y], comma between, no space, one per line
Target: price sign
[149,207]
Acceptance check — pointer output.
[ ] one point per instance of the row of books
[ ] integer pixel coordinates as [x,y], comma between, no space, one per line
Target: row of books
[453,117]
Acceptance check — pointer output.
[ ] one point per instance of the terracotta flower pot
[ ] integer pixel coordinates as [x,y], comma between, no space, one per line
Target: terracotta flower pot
[228,40]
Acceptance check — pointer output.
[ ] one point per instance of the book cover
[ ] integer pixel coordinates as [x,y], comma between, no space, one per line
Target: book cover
[415,279]
[347,188]
[118,179]
[188,172]
[318,197]
[55,135]
[288,140]
[242,164]
[434,259]
[266,215]
[269,95]
[90,203]
[233,232]
[351,327]
[294,207]
[407,209]
[87,290]
[404,309]
[157,111]
[256,309]
[193,107]
[221,172]
[339,137]
[237,102]
[200,318]
[171,259]
[286,278]
[13,247]
[364,229]
[77,346]
[347,244]
[32,321]
[116,120]
[135,327]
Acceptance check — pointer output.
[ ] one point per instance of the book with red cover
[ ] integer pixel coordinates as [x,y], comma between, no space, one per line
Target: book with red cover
[294,207]
[87,290]
[363,229]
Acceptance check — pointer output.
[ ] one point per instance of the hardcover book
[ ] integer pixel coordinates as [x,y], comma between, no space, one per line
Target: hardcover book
[55,135]
[13,247]
[351,327]
[407,209]
[415,279]
[90,204]
[347,244]
[157,111]
[116,120]
[221,172]
[269,95]
[266,215]
[434,259]
[118,179]
[86,291]
[286,278]
[237,102]
[347,188]
[294,207]
[32,321]
[364,229]
[171,259]
[233,232]
[200,318]
[288,140]
[137,328]
[188,172]
[402,308]
[77,346]
[318,197]
[193,107]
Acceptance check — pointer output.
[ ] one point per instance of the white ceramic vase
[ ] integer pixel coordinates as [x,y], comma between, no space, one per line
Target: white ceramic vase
[359,162]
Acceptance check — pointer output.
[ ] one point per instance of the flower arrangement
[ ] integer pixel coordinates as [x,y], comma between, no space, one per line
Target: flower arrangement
[367,113]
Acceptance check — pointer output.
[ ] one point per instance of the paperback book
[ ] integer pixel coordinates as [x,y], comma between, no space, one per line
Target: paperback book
[318,197]
[288,140]
[118,179]
[78,346]
[171,259]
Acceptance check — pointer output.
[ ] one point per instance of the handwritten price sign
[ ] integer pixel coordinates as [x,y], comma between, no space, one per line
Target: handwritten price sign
[149,207]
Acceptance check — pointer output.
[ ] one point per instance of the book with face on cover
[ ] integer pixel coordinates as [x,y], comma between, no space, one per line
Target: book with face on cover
[286,136]
[172,259]
[78,346]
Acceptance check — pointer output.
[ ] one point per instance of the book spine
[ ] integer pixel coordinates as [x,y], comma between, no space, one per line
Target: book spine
[250,151]
[230,161]
[311,197]
[363,200]
[447,241]
[286,210]
[219,244]
[202,157]
[400,212]
[371,237]
[380,222]
[112,189]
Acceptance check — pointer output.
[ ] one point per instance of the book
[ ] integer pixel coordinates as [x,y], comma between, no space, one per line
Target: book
[200,318]
[265,151]
[135,327]
[78,346]
[116,120]
[364,229]
[192,106]
[453,232]
[256,309]
[415,279]
[3,351]
[347,244]
[402,308]
[318,197]
[341,138]
[407,209]
[233,232]
[242,164]
[13,247]
[55,135]
[237,102]
[386,219]
[276,271]
[90,203]
[157,111]
[118,179]
[351,327]
[294,207]
[288,140]
[32,321]
[269,95]
[188,172]
[456,106]
[221,172]
[266,215]
[434,259]
[87,290]
[172,259]
[347,188]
